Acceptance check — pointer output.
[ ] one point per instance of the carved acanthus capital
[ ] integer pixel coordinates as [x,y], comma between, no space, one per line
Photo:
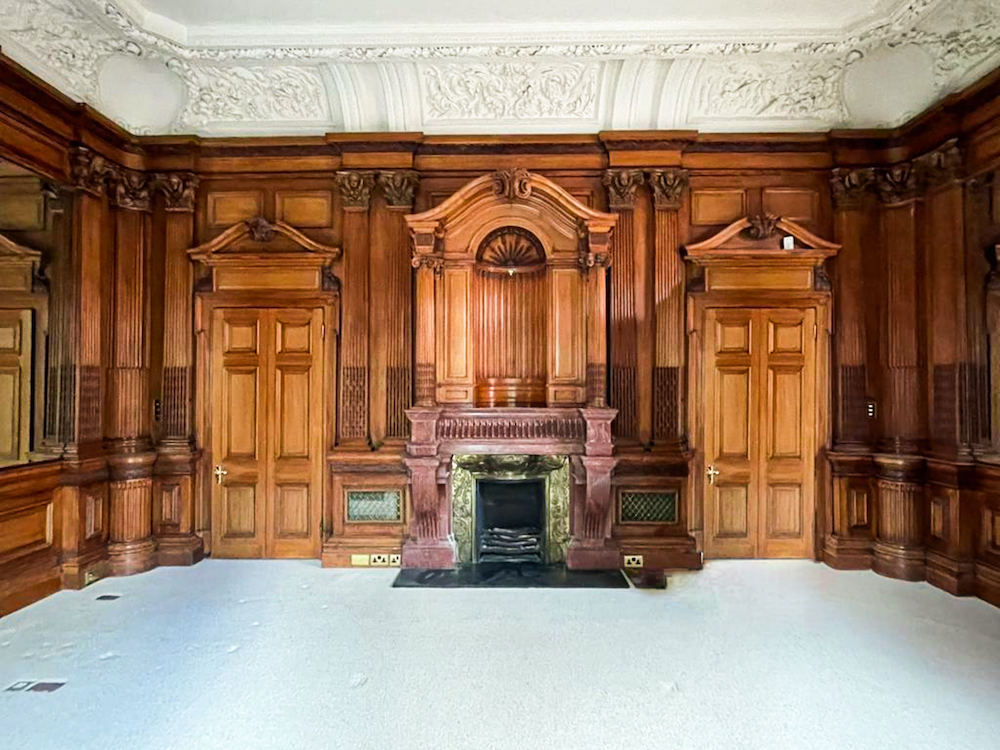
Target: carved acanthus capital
[433,263]
[622,185]
[588,260]
[898,183]
[668,187]
[356,189]
[942,165]
[132,190]
[399,187]
[849,186]
[512,184]
[91,171]
[178,189]
[762,226]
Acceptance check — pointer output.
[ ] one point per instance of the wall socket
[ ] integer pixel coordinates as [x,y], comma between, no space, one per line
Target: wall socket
[633,561]
[395,560]
[380,560]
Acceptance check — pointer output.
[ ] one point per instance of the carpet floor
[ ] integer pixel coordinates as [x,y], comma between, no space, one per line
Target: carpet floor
[244,655]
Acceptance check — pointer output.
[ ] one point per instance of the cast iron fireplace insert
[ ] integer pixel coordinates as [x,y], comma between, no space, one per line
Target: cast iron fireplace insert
[510,520]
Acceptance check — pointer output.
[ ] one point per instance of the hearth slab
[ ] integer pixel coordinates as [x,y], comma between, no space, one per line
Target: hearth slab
[510,576]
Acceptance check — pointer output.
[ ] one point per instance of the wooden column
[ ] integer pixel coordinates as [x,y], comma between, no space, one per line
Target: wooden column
[175,486]
[390,368]
[852,431]
[132,547]
[628,306]
[57,422]
[428,266]
[669,430]
[84,495]
[355,194]
[899,548]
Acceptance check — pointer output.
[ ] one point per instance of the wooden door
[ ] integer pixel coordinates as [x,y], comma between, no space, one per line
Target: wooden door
[267,432]
[16,337]
[760,432]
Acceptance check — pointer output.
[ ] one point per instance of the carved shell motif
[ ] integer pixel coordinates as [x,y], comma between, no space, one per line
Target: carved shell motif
[510,250]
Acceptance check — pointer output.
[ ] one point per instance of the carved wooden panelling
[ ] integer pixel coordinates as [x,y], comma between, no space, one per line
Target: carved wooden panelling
[784,511]
[226,208]
[732,511]
[858,507]
[15,384]
[22,211]
[785,418]
[717,206]
[25,530]
[734,413]
[170,504]
[293,401]
[241,399]
[239,506]
[292,511]
[938,508]
[304,209]
[796,204]
[455,363]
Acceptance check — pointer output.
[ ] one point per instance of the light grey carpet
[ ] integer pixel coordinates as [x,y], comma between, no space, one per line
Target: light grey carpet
[283,654]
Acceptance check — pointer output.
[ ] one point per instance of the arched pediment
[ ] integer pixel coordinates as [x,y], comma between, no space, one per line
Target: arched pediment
[256,254]
[258,237]
[762,235]
[513,197]
[754,253]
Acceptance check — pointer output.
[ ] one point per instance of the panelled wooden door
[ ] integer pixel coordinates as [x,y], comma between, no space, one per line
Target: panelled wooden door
[760,432]
[267,432]
[16,337]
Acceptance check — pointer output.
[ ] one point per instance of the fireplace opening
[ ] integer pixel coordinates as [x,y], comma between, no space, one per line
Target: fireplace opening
[510,520]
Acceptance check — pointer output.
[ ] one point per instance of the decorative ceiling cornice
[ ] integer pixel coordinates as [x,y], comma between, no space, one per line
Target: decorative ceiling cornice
[575,79]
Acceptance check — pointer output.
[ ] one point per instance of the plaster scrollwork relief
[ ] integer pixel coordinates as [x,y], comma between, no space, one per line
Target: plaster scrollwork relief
[510,90]
[259,93]
[757,80]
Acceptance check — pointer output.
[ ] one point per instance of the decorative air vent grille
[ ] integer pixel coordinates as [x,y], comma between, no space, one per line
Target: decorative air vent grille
[378,506]
[644,506]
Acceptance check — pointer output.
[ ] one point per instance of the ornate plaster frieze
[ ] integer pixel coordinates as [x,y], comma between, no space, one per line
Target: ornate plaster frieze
[510,90]
[521,80]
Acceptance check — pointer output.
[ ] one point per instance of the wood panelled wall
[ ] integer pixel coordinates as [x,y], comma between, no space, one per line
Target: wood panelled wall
[909,481]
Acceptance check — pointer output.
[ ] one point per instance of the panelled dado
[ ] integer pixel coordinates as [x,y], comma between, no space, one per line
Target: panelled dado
[356,294]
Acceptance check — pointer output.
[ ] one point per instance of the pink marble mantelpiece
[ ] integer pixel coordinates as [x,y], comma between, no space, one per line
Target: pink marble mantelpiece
[437,434]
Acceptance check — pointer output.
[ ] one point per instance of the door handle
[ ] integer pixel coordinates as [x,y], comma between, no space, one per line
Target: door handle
[712,473]
[219,473]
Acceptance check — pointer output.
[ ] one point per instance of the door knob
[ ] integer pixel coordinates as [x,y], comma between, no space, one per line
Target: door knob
[712,473]
[219,473]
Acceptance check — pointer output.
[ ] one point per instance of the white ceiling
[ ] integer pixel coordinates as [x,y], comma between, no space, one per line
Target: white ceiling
[255,67]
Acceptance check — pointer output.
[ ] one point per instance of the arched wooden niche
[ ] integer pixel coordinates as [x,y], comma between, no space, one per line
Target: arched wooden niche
[511,295]
[510,319]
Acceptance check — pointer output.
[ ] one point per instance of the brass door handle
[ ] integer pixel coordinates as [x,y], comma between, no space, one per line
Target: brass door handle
[712,473]
[219,473]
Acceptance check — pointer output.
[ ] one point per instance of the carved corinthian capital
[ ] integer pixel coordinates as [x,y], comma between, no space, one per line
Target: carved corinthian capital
[399,187]
[668,187]
[942,165]
[178,190]
[898,183]
[356,189]
[132,190]
[849,186]
[91,171]
[621,185]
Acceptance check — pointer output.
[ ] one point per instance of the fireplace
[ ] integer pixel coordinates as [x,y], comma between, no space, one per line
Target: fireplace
[510,520]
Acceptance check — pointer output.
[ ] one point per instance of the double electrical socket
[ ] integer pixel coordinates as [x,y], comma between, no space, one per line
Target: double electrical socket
[633,561]
[376,560]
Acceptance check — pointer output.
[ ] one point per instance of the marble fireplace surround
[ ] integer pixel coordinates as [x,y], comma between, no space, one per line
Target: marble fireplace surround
[439,434]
